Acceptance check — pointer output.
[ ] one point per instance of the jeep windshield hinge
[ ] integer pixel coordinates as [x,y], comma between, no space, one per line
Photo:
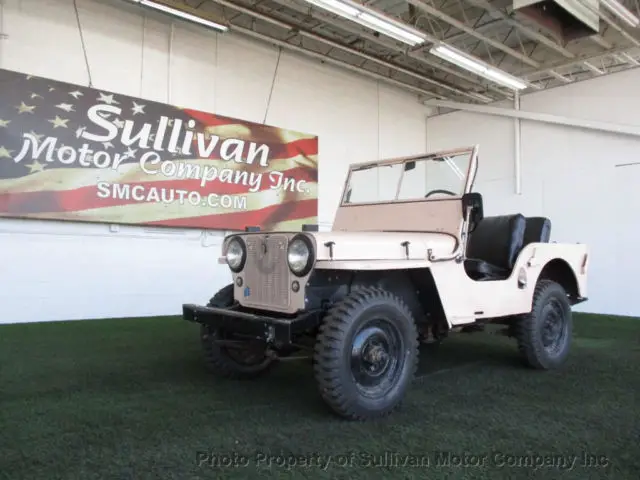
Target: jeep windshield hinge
[405,244]
[330,245]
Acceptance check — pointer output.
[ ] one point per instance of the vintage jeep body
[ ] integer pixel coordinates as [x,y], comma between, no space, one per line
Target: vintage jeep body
[409,259]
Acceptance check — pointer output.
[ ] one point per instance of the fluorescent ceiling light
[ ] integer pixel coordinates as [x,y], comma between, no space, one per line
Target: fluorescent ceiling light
[621,12]
[182,14]
[371,19]
[478,67]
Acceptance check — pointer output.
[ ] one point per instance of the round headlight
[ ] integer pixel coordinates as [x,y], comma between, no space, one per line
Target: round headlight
[299,256]
[236,255]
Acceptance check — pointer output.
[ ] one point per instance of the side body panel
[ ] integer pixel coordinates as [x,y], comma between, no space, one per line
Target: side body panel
[464,300]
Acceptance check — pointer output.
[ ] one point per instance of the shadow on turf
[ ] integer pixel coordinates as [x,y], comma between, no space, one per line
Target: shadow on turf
[290,387]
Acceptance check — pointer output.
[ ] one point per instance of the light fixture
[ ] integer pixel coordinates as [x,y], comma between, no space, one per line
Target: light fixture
[620,11]
[181,14]
[478,67]
[371,19]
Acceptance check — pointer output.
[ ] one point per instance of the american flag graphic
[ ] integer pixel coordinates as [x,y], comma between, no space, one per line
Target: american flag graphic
[81,154]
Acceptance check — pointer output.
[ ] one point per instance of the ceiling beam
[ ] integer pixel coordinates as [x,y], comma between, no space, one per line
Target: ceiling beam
[345,48]
[415,55]
[617,128]
[577,61]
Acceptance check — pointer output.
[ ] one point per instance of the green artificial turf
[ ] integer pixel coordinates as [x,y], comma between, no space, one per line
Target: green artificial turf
[130,399]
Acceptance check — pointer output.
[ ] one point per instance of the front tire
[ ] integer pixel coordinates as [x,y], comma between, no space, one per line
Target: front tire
[247,361]
[544,335]
[366,354]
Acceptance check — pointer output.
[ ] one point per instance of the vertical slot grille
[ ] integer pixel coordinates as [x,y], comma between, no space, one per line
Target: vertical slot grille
[266,271]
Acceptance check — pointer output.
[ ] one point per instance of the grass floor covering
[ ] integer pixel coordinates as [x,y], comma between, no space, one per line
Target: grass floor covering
[130,399]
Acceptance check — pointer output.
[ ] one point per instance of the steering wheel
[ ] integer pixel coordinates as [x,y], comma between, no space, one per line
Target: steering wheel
[447,192]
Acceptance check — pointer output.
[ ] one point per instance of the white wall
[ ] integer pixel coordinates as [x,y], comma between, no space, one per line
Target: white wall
[57,271]
[568,175]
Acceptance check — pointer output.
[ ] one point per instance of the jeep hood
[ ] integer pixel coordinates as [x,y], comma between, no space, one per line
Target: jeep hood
[381,245]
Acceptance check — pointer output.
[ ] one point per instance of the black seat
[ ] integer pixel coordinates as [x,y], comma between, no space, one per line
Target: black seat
[494,245]
[538,230]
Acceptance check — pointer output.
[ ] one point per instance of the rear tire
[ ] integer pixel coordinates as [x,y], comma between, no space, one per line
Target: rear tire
[247,362]
[366,354]
[544,335]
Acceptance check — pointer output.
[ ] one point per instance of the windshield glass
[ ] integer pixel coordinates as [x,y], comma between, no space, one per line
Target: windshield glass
[431,177]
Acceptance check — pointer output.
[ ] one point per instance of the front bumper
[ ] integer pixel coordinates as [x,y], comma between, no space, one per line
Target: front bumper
[269,329]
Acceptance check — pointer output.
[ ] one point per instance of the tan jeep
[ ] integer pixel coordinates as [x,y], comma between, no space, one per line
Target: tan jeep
[410,258]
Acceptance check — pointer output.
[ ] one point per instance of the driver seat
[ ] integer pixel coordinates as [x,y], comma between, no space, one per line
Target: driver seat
[494,245]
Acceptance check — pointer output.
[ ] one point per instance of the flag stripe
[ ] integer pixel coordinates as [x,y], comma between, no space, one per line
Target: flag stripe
[144,212]
[295,224]
[299,213]
[232,128]
[259,217]
[306,147]
[65,178]
[84,198]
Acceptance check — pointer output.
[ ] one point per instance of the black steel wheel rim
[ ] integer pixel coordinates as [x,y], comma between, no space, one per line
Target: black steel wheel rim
[376,357]
[554,327]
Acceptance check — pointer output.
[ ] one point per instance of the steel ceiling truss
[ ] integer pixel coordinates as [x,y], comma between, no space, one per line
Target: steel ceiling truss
[486,29]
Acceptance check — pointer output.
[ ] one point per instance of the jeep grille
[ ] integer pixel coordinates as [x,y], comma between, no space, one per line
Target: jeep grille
[267,274]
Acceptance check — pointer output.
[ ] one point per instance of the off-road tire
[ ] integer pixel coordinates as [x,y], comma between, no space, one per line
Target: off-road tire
[528,327]
[333,350]
[218,359]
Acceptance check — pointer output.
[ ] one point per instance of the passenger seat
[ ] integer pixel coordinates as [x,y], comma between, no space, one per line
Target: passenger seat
[494,245]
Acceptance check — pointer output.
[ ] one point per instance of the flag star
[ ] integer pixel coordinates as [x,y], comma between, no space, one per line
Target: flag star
[36,166]
[51,89]
[36,95]
[79,131]
[104,115]
[107,99]
[118,123]
[170,122]
[34,134]
[107,145]
[22,108]
[137,108]
[59,122]
[76,93]
[130,153]
[67,107]
[4,153]
[4,123]
[152,137]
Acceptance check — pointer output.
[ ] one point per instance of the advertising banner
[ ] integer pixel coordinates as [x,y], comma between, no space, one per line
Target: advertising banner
[81,154]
